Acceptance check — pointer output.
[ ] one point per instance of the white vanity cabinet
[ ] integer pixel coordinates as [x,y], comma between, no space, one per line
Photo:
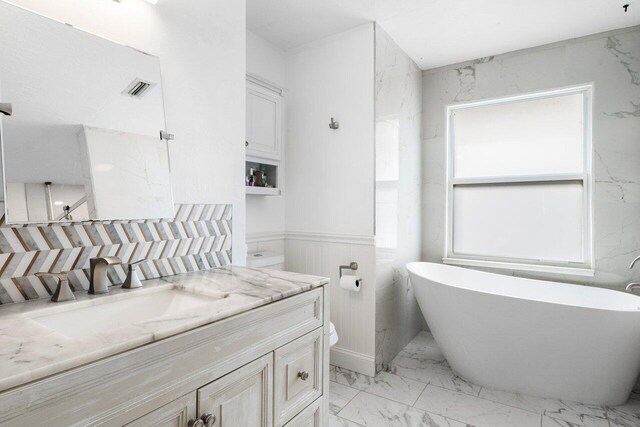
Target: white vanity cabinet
[265,367]
[298,376]
[243,397]
[175,414]
[311,416]
[263,122]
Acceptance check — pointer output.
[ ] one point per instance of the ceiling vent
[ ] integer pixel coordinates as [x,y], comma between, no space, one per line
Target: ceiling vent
[138,88]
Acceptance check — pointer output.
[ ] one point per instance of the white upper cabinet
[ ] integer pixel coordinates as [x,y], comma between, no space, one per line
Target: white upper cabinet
[264,122]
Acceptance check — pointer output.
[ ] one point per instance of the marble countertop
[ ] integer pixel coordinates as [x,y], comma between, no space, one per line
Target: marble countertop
[30,351]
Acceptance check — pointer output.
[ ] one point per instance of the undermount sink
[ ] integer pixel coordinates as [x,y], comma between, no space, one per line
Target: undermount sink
[86,318]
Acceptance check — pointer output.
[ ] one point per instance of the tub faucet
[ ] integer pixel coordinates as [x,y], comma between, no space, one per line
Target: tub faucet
[98,283]
[633,286]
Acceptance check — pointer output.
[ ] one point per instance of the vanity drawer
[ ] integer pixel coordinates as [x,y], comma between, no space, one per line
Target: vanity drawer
[297,376]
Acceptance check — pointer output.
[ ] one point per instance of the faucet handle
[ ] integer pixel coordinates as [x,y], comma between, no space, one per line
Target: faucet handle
[133,281]
[134,265]
[63,290]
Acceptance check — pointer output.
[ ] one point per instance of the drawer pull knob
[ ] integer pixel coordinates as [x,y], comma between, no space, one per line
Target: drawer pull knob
[208,420]
[196,423]
[303,375]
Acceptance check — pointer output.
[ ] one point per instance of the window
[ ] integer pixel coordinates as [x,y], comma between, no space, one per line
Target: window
[519,182]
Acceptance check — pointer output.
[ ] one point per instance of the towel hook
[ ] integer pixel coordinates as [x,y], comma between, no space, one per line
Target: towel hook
[352,266]
[334,124]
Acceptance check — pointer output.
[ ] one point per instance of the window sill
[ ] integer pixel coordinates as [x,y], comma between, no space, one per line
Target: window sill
[532,268]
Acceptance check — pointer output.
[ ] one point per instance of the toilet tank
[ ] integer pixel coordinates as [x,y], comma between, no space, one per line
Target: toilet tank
[265,259]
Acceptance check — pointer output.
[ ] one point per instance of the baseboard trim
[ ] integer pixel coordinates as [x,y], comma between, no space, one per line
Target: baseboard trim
[332,238]
[353,361]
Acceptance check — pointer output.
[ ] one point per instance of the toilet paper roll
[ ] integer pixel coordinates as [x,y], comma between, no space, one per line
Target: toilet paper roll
[351,283]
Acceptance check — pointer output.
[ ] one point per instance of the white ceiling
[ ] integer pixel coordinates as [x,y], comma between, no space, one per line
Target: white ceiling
[441,32]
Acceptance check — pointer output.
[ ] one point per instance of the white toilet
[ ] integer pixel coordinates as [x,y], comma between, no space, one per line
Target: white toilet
[265,259]
[275,261]
[333,335]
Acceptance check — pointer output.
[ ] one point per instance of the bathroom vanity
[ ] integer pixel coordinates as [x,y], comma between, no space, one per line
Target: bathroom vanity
[231,346]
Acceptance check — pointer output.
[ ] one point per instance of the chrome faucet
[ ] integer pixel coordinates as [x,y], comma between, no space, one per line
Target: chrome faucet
[98,282]
[633,286]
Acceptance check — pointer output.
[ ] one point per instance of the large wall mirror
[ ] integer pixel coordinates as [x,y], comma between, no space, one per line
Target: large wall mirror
[83,138]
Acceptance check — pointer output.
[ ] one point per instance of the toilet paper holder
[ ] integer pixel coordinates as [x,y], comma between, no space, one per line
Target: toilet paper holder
[352,266]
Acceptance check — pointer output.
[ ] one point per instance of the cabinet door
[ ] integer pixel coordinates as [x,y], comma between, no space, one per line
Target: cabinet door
[175,414]
[311,416]
[241,398]
[263,122]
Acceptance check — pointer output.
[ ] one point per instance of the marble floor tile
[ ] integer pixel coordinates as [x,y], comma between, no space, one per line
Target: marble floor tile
[424,338]
[429,368]
[423,354]
[352,379]
[395,387]
[374,411]
[335,421]
[571,412]
[627,415]
[339,396]
[474,410]
[577,413]
[586,422]
[552,422]
[420,371]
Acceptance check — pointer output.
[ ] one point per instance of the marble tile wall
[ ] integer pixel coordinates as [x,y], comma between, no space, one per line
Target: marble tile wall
[611,61]
[198,238]
[398,85]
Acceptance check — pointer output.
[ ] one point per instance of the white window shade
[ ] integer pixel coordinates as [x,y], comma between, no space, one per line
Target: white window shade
[524,137]
[520,221]
[519,182]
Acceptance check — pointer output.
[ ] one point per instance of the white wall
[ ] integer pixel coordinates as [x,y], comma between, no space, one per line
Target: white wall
[330,172]
[265,215]
[330,182]
[201,45]
[612,62]
[265,60]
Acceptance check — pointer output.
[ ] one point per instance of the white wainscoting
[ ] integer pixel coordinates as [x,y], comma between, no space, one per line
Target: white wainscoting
[272,242]
[353,313]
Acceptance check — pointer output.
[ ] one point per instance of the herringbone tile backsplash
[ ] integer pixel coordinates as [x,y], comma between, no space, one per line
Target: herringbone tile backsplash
[198,238]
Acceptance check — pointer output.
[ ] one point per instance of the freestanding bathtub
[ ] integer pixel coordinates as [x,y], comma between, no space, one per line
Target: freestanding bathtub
[534,337]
